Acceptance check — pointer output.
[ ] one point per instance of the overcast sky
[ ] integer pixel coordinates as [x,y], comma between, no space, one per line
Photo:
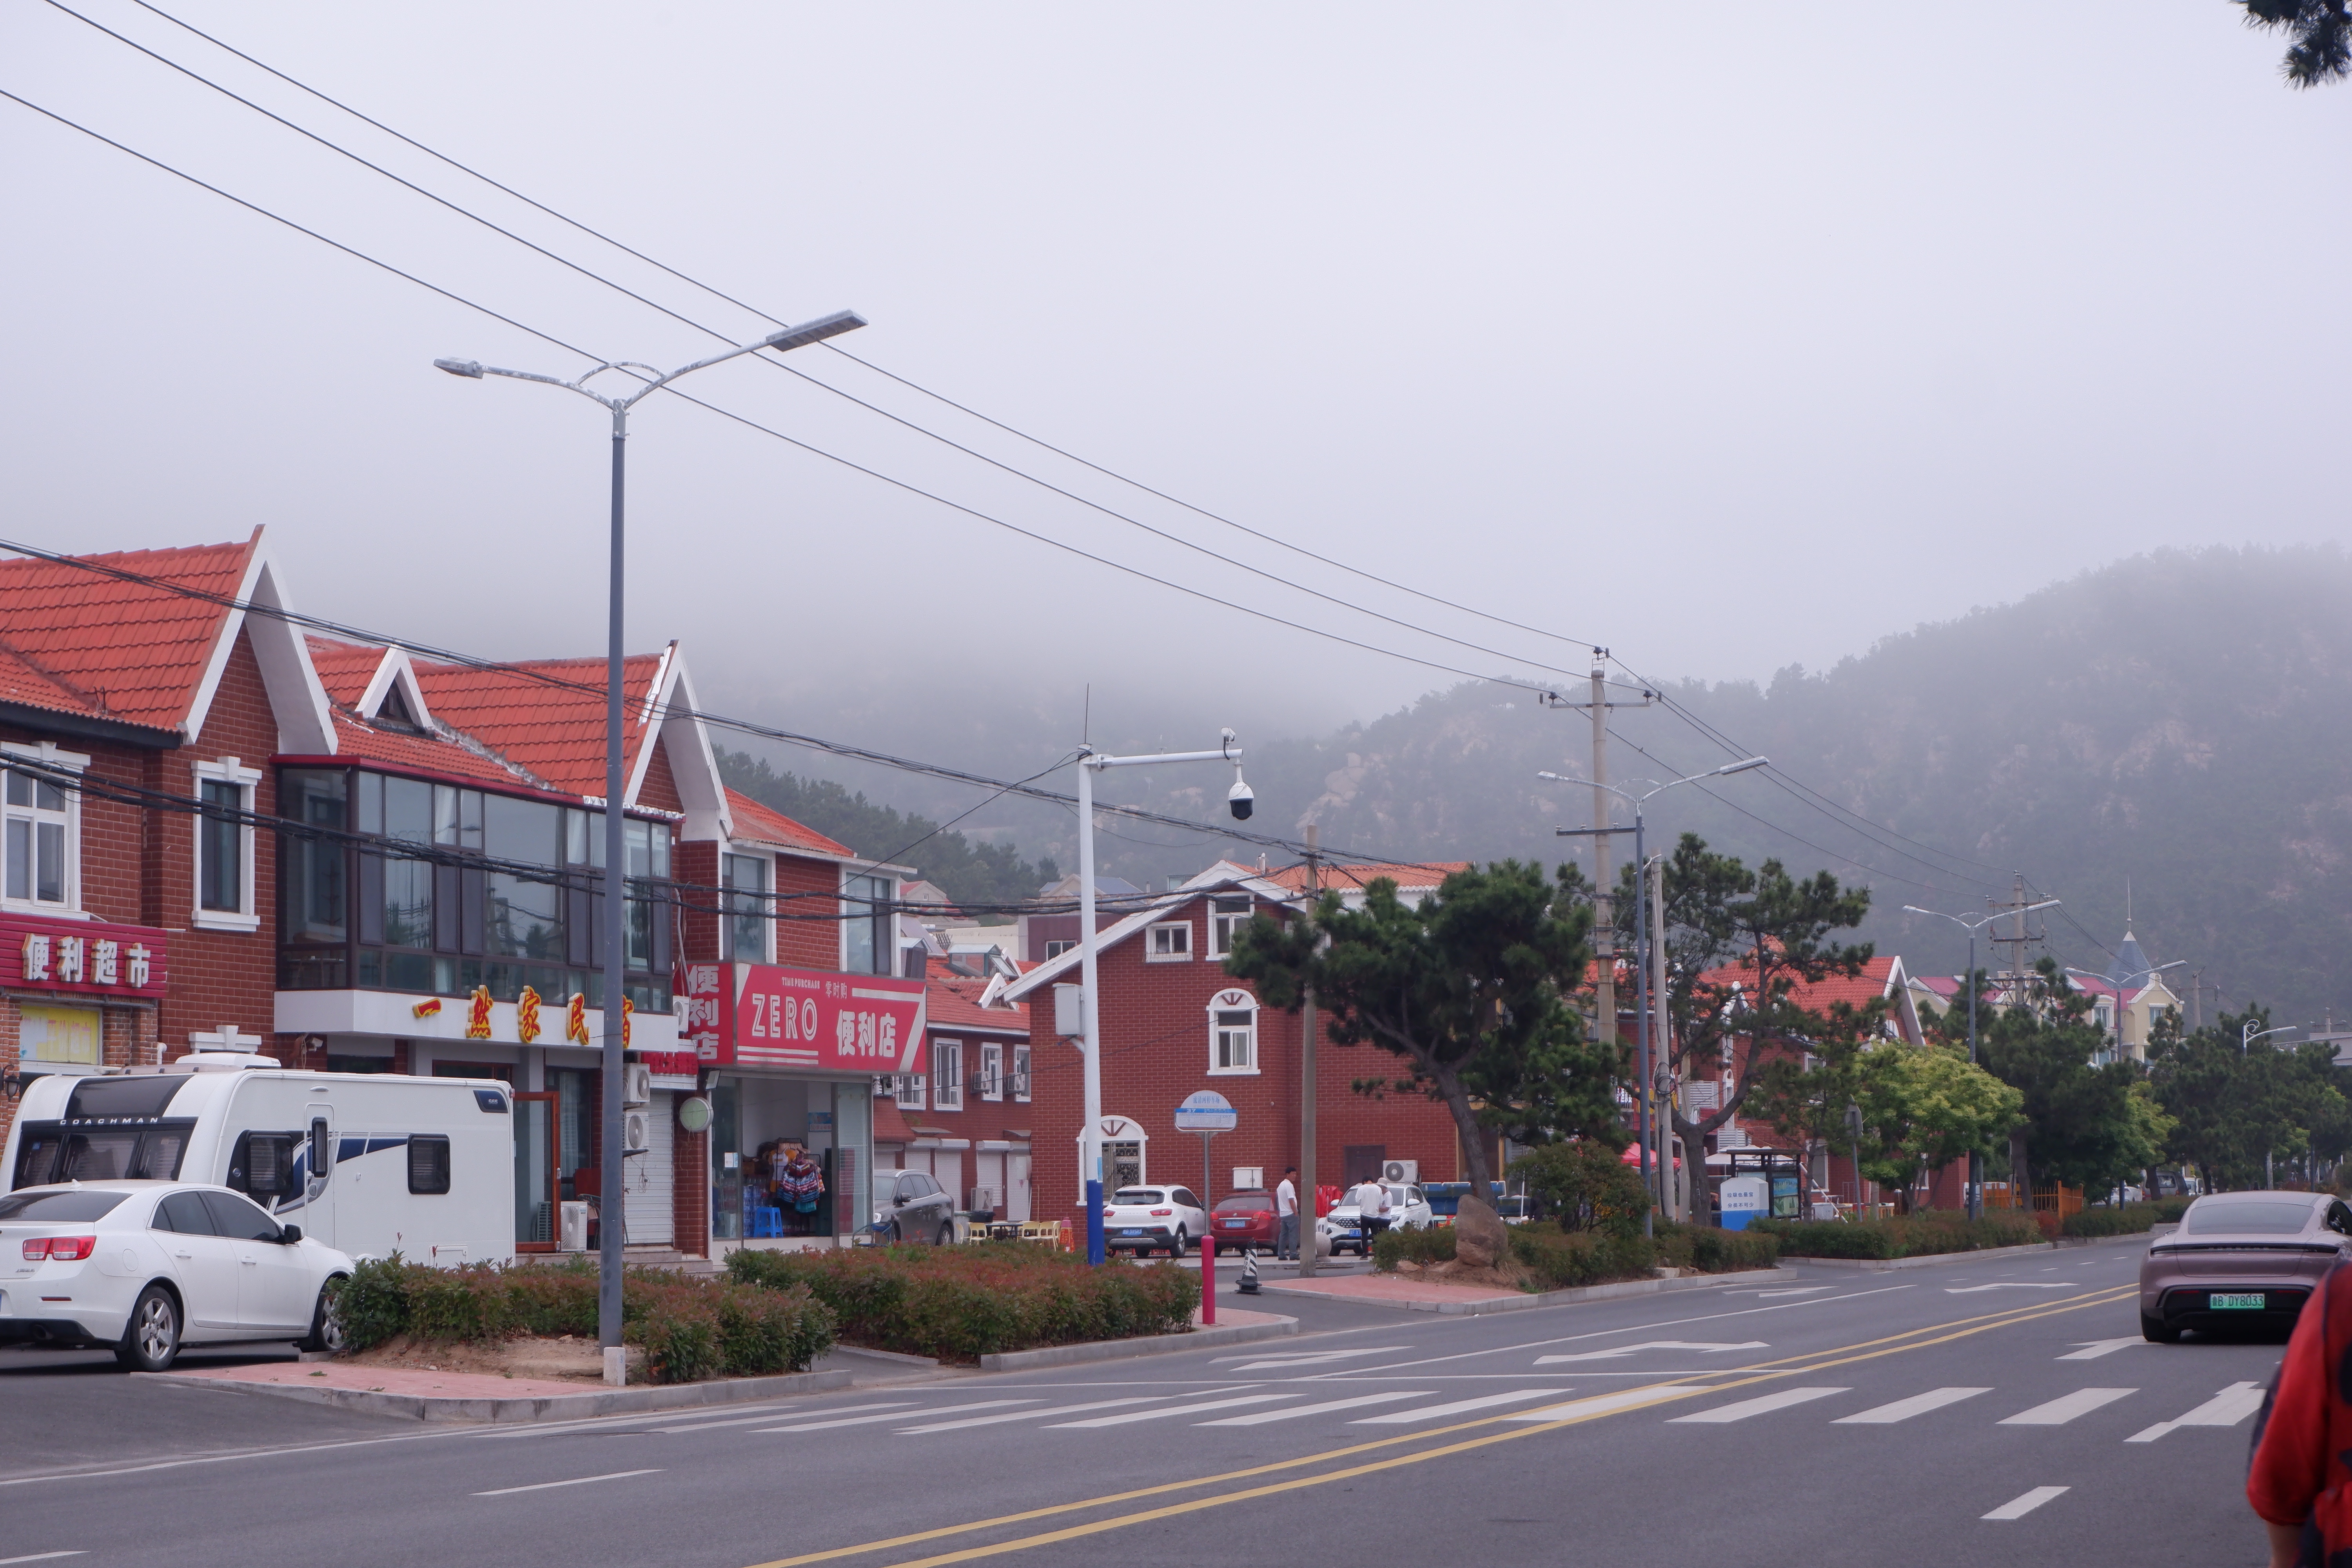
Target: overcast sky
[1732,336]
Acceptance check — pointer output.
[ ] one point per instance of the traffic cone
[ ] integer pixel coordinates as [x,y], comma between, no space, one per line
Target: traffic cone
[1248,1286]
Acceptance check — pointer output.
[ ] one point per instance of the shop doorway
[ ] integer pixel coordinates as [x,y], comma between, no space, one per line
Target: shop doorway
[536,1215]
[1362,1162]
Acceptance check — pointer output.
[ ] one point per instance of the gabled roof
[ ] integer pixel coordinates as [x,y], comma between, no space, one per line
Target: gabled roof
[552,726]
[1336,878]
[756,823]
[1110,936]
[953,1002]
[1883,976]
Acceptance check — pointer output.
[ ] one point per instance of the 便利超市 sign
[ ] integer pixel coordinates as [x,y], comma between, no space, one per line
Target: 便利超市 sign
[81,957]
[763,1015]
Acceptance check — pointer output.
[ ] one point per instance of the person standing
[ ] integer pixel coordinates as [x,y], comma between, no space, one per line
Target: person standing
[1285,1213]
[2299,1480]
[1371,1201]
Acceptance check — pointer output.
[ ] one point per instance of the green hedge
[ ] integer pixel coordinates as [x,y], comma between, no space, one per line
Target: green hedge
[1558,1260]
[1912,1235]
[960,1303]
[1713,1251]
[691,1328]
[2108,1219]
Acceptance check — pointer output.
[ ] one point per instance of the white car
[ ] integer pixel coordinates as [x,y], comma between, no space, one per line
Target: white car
[142,1267]
[1152,1219]
[1408,1210]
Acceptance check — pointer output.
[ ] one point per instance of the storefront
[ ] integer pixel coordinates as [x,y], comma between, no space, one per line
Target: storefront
[788,1059]
[77,996]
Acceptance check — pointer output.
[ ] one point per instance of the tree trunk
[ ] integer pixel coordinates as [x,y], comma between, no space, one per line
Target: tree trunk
[1472,1136]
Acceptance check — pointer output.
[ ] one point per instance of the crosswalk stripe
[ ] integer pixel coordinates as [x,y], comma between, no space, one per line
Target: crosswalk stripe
[1434,1411]
[1029,1415]
[1134,1416]
[1601,1403]
[771,1415]
[1904,1409]
[1259,1418]
[899,1415]
[2024,1503]
[2227,1408]
[1748,1407]
[2060,1411]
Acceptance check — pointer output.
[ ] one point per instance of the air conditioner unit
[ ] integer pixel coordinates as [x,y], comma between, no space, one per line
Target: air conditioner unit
[983,1199]
[1405,1171]
[574,1237]
[636,1084]
[637,1132]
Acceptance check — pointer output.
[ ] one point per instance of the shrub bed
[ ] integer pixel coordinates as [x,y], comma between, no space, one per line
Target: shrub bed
[1558,1260]
[691,1328]
[2109,1219]
[1712,1251]
[960,1303]
[1911,1235]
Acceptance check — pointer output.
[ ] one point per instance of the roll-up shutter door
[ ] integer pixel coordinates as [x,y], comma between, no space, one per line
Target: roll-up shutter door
[652,1221]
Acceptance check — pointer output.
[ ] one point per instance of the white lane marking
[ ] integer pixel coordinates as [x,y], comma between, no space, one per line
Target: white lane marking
[2008,1284]
[2024,1503]
[1791,1291]
[1134,1416]
[43,1556]
[2094,1349]
[901,1415]
[1702,1345]
[2064,1408]
[2227,1408]
[1602,1403]
[1770,1402]
[1261,1418]
[1314,1358]
[1904,1409]
[770,1415]
[1435,1412]
[575,1481]
[1027,1415]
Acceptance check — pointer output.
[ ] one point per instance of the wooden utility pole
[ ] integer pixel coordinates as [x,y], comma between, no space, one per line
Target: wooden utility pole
[1306,1083]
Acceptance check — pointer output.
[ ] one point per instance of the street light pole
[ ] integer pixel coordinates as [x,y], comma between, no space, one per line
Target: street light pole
[2248,1034]
[612,1221]
[1642,946]
[1241,802]
[1975,1156]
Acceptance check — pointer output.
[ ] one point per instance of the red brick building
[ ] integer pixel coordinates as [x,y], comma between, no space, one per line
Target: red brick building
[966,1119]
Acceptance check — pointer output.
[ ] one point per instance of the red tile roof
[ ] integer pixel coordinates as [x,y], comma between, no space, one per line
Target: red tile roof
[953,1002]
[890,1123]
[75,641]
[422,753]
[1336,877]
[344,669]
[1856,990]
[552,726]
[758,823]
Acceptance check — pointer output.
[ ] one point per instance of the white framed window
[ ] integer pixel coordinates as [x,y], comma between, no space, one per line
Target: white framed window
[746,877]
[908,1089]
[1169,943]
[225,875]
[1020,1073]
[946,1074]
[1233,1032]
[40,845]
[992,1072]
[1228,912]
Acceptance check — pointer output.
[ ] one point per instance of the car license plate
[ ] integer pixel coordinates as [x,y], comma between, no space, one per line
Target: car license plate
[1236,1224]
[2253,1303]
[1130,1233]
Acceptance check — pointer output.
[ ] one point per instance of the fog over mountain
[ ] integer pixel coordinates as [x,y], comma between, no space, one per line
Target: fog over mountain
[2175,720]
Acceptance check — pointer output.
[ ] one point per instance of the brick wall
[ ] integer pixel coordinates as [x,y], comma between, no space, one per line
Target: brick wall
[690,1192]
[697,923]
[659,788]
[804,941]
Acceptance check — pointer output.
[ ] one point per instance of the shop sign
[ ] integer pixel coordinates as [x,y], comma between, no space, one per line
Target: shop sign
[764,1015]
[671,1070]
[81,957]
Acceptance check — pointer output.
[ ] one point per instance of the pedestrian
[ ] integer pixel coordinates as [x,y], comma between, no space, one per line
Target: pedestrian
[1371,1201]
[1286,1213]
[2298,1481]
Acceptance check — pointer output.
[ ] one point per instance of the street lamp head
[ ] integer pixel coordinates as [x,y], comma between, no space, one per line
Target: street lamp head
[469,368]
[814,331]
[1556,778]
[1744,765]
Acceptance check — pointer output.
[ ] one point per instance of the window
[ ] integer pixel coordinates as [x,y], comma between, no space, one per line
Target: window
[238,1220]
[868,945]
[1021,1072]
[1168,943]
[1228,912]
[1056,949]
[224,899]
[262,1164]
[747,925]
[1233,1032]
[43,842]
[907,1090]
[992,1072]
[946,1074]
[428,1162]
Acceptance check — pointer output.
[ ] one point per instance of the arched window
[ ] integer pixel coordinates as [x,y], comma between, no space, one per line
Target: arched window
[1233,1032]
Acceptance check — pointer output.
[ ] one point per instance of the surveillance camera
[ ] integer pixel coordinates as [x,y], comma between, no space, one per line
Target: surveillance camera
[1241,800]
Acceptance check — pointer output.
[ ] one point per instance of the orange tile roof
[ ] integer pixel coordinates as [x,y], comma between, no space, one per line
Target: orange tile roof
[554,728]
[1426,874]
[423,753]
[953,1002]
[761,825]
[1856,990]
[74,641]
[344,669]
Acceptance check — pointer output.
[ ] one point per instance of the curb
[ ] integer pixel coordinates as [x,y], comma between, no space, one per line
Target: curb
[552,1408]
[1548,1298]
[1154,1344]
[1875,1264]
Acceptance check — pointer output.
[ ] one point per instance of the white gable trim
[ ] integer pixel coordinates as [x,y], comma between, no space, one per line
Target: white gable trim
[395,670]
[297,698]
[1158,909]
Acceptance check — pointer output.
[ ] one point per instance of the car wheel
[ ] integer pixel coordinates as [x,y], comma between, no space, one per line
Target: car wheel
[1176,1248]
[325,1329]
[151,1340]
[946,1237]
[2156,1330]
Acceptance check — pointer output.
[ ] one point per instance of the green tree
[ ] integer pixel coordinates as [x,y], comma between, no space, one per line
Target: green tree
[2239,1108]
[1468,988]
[2319,32]
[2085,1124]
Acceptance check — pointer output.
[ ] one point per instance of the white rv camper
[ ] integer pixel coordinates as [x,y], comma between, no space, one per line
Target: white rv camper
[368,1163]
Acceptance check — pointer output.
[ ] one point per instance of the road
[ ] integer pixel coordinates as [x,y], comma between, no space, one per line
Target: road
[1952,1415]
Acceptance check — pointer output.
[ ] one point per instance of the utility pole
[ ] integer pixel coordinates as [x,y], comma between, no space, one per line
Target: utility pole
[2013,977]
[1662,1056]
[1306,1082]
[1605,890]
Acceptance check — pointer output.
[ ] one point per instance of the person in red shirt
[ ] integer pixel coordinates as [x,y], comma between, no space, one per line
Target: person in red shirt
[2298,1481]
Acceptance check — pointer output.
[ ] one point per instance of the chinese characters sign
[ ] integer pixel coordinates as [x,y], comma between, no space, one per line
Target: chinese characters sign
[82,956]
[765,1016]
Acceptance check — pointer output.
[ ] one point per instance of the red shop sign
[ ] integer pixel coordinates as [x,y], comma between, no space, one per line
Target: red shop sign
[762,1015]
[82,957]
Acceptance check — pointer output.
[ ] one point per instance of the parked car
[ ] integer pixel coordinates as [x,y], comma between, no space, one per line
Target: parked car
[1154,1220]
[909,1206]
[2241,1258]
[145,1266]
[1245,1220]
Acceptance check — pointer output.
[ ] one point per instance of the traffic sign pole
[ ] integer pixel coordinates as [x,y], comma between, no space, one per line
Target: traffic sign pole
[1208,1114]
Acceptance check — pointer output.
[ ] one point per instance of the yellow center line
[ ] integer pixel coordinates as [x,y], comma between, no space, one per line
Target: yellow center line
[1866,1350]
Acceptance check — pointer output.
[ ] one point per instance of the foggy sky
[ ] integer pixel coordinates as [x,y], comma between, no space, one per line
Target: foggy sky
[1730,336]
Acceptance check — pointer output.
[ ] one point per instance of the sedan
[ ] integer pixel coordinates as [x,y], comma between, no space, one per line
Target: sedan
[1154,1220]
[2241,1258]
[1245,1221]
[909,1206]
[142,1267]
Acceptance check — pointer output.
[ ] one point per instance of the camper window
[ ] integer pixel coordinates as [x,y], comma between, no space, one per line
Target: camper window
[428,1162]
[262,1164]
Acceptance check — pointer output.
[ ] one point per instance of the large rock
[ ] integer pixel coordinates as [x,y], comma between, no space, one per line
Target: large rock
[1480,1240]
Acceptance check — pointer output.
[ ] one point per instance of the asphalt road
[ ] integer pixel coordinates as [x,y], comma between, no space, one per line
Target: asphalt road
[1953,1415]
